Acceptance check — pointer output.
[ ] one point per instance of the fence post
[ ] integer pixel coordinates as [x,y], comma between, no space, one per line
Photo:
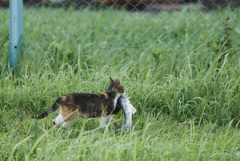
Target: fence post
[15,32]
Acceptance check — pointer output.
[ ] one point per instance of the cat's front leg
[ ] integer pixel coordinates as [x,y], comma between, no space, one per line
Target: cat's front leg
[103,120]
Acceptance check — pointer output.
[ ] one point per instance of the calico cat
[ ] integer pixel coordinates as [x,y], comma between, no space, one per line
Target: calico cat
[88,105]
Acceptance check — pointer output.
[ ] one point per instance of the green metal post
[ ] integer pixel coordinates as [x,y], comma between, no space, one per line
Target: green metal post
[15,32]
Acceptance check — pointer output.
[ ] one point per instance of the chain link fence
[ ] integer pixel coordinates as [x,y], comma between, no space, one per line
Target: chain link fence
[4,19]
[124,24]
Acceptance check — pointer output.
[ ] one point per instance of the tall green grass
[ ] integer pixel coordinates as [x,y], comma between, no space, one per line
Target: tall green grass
[152,138]
[183,80]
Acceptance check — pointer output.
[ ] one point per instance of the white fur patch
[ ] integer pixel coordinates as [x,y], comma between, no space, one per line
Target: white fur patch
[115,100]
[58,120]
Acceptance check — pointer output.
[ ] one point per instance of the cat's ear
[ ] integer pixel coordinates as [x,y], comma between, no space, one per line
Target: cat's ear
[117,82]
[111,80]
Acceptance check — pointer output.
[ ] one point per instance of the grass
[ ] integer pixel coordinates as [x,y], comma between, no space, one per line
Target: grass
[181,70]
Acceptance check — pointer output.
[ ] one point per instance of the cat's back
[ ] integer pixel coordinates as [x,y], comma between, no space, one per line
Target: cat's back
[85,97]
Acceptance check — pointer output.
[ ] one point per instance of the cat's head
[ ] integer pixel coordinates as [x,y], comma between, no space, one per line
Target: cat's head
[115,86]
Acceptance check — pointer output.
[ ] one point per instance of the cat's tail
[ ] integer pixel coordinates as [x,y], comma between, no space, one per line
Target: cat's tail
[51,109]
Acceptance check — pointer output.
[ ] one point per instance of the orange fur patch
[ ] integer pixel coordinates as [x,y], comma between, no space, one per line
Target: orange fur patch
[105,112]
[102,107]
[68,113]
[106,96]
[64,98]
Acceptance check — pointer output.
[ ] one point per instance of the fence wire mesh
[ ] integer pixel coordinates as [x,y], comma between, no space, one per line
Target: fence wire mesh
[4,17]
[125,24]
